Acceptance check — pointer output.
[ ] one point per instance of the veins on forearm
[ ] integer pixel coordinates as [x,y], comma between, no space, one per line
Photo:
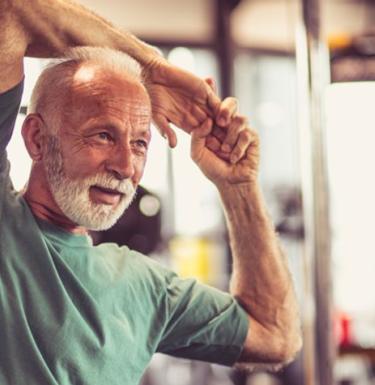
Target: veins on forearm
[261,280]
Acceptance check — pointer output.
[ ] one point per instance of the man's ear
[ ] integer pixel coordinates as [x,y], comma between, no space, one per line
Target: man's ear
[32,133]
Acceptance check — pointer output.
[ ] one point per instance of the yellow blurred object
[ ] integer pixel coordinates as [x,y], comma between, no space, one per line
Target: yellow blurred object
[339,41]
[196,257]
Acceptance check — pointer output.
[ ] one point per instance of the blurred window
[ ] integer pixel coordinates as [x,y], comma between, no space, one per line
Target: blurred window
[266,87]
[351,158]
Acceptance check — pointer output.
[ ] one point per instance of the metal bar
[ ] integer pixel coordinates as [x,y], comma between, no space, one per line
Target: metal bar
[313,76]
[169,225]
[224,46]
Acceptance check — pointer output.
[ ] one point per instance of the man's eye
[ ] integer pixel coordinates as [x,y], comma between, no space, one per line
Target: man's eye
[104,136]
[141,143]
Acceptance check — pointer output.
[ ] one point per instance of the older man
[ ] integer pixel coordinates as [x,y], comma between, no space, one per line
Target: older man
[71,313]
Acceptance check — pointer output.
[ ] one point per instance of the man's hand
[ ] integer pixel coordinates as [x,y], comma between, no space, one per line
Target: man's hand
[228,154]
[178,97]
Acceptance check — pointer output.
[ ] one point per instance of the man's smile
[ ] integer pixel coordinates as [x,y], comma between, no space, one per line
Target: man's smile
[105,195]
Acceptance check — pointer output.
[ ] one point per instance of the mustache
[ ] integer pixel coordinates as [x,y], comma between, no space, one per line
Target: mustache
[108,181]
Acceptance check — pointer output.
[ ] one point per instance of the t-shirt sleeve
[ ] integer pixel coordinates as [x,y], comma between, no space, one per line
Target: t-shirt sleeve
[9,105]
[203,323]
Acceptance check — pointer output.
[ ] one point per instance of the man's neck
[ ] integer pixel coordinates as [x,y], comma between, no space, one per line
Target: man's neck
[43,206]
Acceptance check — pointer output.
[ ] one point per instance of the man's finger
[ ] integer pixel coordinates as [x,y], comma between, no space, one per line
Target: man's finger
[203,130]
[237,124]
[199,114]
[228,108]
[213,102]
[213,144]
[244,140]
[165,129]
[219,133]
[211,82]
[198,139]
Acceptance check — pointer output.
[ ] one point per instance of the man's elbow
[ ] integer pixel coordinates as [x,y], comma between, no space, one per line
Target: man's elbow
[275,357]
[287,339]
[270,348]
[289,347]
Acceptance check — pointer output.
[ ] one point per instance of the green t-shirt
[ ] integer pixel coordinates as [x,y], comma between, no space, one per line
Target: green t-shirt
[76,314]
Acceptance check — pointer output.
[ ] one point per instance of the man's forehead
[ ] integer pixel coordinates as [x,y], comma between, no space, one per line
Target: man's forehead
[90,79]
[94,90]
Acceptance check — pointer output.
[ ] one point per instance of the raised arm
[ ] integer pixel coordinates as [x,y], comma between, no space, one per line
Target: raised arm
[47,28]
[13,44]
[261,281]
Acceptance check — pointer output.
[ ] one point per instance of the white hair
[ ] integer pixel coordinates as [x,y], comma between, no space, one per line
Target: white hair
[56,79]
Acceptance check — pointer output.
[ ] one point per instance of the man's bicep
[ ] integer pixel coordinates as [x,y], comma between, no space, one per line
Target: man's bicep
[203,323]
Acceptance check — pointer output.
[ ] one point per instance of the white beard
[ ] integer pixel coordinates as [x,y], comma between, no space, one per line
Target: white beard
[72,196]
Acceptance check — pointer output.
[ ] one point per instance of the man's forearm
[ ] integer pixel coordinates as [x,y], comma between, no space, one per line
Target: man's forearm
[52,26]
[261,280]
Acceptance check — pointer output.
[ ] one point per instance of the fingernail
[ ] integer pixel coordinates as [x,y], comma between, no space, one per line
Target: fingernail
[233,159]
[222,121]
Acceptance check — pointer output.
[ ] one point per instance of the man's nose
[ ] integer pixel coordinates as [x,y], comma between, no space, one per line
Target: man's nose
[121,162]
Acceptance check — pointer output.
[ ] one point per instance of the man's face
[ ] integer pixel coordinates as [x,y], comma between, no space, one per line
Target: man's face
[95,162]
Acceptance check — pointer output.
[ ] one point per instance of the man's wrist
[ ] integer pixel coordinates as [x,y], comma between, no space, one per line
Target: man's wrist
[241,188]
[145,54]
[242,196]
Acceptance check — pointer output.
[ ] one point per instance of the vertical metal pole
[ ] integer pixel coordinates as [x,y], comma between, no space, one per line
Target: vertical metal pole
[313,76]
[224,46]
[169,228]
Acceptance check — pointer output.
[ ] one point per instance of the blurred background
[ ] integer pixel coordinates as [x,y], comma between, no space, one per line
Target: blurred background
[304,73]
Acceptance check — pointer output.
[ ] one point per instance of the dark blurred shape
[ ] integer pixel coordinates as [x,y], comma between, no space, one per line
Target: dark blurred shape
[290,218]
[139,228]
[356,61]
[233,3]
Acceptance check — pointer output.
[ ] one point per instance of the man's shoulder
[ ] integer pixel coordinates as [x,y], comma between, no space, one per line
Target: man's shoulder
[137,265]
